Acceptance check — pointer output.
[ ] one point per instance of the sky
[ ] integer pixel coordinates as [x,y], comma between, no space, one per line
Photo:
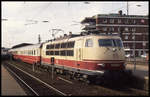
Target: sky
[25,19]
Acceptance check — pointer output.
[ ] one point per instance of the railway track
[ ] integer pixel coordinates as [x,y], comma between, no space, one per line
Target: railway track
[35,85]
[74,87]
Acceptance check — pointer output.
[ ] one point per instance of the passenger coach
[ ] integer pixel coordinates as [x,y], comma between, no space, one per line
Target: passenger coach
[30,54]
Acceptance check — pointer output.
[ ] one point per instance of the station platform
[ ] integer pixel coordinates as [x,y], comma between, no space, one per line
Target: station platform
[141,72]
[10,86]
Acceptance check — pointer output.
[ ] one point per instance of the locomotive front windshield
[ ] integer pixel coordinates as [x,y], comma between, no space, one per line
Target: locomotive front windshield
[110,42]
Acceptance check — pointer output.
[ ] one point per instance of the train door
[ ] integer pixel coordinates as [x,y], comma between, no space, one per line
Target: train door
[79,51]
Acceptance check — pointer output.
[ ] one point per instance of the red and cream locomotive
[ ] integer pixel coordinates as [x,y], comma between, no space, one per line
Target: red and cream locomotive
[85,57]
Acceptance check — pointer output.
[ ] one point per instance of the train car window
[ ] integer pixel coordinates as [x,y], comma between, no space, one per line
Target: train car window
[56,52]
[70,44]
[106,42]
[52,46]
[70,53]
[89,43]
[51,52]
[63,53]
[57,46]
[47,46]
[47,52]
[115,43]
[34,52]
[63,45]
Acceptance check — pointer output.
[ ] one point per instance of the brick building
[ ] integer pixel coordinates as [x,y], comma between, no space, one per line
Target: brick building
[129,27]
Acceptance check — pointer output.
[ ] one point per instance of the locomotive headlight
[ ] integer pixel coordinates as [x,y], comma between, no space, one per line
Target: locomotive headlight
[114,49]
[101,65]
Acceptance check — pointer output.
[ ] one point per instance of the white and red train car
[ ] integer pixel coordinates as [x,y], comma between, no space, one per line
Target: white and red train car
[83,55]
[30,54]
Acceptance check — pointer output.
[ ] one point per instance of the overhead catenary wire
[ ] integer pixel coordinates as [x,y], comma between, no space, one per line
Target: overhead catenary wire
[33,18]
[124,6]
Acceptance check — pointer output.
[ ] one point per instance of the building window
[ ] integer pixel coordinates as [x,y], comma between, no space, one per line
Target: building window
[144,43]
[133,37]
[126,29]
[111,20]
[104,28]
[134,21]
[133,29]
[127,21]
[105,21]
[142,21]
[89,43]
[119,20]
[118,29]
[126,37]
[111,29]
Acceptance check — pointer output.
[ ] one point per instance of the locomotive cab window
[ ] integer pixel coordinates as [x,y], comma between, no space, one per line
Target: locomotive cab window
[105,42]
[110,42]
[118,43]
[89,43]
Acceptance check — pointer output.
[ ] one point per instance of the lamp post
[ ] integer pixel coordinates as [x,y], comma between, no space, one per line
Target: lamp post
[127,8]
[134,52]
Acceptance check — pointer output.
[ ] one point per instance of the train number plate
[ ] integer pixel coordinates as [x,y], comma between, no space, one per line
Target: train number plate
[115,65]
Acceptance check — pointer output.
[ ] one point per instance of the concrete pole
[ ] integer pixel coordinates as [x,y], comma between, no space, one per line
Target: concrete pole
[127,8]
[33,69]
[134,54]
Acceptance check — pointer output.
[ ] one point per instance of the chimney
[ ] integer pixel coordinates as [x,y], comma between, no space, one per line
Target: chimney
[120,12]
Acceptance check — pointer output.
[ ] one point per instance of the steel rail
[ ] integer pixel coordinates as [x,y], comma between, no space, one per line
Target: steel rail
[65,80]
[22,81]
[41,81]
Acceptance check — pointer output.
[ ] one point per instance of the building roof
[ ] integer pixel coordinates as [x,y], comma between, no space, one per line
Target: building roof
[112,15]
[27,47]
[120,16]
[21,45]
